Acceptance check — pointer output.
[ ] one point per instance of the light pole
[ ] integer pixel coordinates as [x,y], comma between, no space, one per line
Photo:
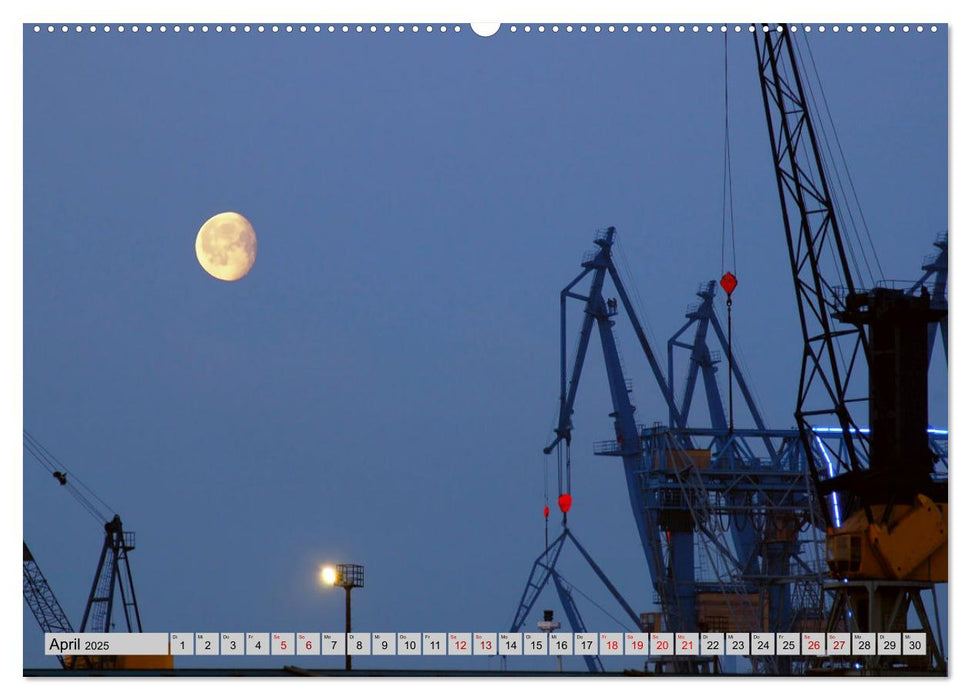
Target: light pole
[548,624]
[347,576]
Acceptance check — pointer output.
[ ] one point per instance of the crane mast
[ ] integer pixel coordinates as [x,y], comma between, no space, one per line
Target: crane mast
[113,573]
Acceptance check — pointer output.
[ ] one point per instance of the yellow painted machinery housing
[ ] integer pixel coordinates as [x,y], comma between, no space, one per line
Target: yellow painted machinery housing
[911,546]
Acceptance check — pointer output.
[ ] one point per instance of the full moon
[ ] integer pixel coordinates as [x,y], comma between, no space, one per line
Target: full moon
[226,246]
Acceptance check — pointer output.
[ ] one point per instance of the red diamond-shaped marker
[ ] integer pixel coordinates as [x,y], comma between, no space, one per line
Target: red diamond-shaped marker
[565,501]
[729,283]
[546,511]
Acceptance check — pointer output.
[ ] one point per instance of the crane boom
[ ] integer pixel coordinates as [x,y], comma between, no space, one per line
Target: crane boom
[42,602]
[845,330]
[820,270]
[41,599]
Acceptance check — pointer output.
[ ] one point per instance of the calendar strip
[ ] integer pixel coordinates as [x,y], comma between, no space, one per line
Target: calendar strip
[490,644]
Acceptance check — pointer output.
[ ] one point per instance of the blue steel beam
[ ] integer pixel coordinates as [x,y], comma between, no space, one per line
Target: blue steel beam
[699,358]
[593,662]
[666,391]
[544,571]
[568,393]
[606,581]
[744,534]
[674,582]
[538,577]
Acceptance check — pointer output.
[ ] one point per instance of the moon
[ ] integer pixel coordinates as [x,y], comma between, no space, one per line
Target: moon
[226,246]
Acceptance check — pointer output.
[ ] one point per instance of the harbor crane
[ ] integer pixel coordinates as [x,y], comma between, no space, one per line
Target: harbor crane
[886,539]
[113,580]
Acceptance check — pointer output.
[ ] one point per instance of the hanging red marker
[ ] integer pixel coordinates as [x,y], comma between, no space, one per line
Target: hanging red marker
[546,511]
[565,501]
[729,282]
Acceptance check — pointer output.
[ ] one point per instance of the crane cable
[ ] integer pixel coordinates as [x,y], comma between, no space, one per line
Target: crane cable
[572,587]
[846,169]
[728,280]
[52,464]
[728,206]
[565,498]
[546,506]
[546,489]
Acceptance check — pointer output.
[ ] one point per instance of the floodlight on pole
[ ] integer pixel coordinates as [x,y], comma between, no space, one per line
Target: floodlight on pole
[348,577]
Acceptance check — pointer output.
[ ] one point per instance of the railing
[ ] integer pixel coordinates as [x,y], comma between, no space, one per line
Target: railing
[931,262]
[602,234]
[606,447]
[903,285]
[671,497]
[906,286]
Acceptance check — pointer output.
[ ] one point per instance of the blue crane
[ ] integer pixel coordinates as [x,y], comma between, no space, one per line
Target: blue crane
[671,577]
[599,265]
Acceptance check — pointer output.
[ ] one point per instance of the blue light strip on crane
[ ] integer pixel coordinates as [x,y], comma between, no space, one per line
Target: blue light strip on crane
[866,431]
[832,473]
[829,463]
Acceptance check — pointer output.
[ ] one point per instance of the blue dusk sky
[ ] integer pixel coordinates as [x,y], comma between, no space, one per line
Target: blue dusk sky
[380,386]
